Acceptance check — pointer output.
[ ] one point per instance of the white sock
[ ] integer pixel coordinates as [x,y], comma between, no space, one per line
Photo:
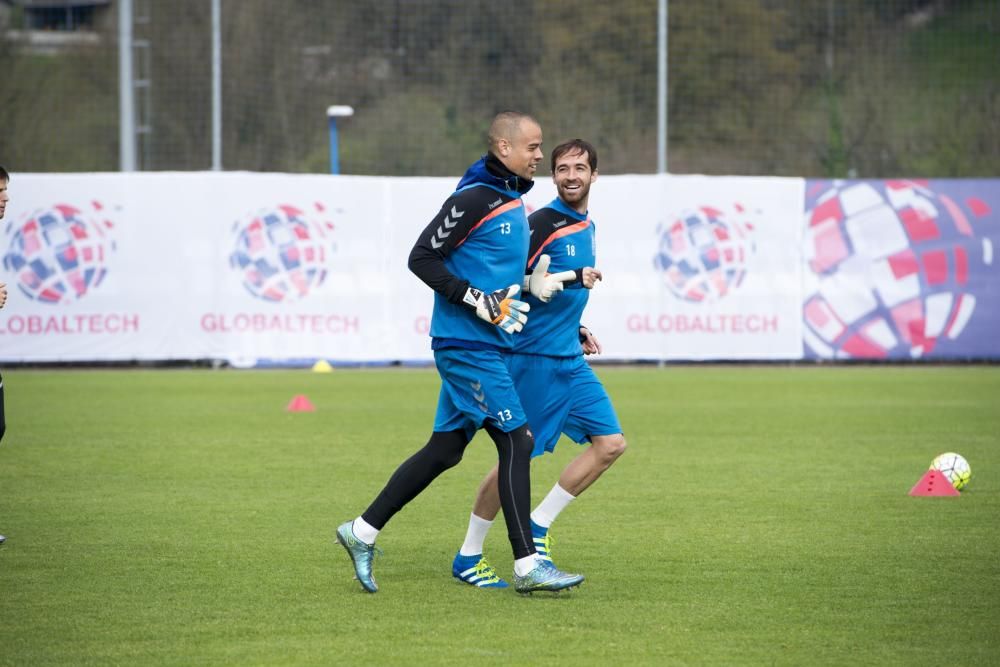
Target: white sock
[549,509]
[523,566]
[364,531]
[475,536]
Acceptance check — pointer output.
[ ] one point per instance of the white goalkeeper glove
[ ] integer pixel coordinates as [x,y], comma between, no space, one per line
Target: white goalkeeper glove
[499,308]
[543,284]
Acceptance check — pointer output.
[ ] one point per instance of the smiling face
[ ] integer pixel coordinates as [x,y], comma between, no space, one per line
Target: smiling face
[572,174]
[521,150]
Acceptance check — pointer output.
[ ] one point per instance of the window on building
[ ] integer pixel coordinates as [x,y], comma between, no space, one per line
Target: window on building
[67,17]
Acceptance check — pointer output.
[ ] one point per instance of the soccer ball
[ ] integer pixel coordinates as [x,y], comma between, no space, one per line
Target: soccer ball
[954,467]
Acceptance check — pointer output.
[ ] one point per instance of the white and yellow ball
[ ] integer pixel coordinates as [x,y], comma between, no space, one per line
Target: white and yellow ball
[954,467]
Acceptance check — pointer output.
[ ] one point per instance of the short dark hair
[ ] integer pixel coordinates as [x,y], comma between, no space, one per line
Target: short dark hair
[4,176]
[505,125]
[574,146]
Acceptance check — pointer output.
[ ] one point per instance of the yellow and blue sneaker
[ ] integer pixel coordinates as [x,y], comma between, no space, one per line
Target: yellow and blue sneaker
[361,555]
[545,577]
[475,571]
[543,542]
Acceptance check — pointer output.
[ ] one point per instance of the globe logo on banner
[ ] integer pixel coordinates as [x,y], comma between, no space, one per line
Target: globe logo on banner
[703,253]
[888,268]
[59,254]
[281,253]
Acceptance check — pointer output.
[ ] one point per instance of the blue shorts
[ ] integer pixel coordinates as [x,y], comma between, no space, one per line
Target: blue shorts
[562,395]
[476,389]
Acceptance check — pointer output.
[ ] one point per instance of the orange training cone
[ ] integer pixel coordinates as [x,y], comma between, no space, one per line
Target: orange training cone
[300,404]
[933,483]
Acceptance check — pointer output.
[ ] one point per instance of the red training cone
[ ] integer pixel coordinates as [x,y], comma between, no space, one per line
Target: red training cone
[933,483]
[300,404]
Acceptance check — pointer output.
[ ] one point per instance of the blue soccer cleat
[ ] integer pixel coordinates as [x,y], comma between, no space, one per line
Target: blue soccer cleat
[361,555]
[545,577]
[543,542]
[475,571]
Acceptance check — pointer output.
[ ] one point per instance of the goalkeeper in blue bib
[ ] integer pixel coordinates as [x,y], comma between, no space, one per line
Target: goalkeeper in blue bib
[473,255]
[558,389]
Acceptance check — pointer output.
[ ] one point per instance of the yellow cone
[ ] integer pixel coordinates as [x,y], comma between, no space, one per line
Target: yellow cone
[322,366]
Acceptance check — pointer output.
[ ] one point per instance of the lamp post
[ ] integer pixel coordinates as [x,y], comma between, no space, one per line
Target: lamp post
[332,114]
[661,85]
[216,85]
[126,90]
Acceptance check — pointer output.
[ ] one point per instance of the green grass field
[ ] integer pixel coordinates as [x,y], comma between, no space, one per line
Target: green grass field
[759,516]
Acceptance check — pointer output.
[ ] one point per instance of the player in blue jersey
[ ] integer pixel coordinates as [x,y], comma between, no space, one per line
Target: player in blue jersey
[558,389]
[473,254]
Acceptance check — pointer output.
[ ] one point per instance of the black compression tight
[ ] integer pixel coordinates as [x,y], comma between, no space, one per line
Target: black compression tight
[3,420]
[514,483]
[444,450]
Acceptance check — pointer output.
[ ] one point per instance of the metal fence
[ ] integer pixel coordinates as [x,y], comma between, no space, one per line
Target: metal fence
[830,88]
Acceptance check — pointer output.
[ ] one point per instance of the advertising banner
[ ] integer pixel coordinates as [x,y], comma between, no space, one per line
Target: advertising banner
[902,269]
[278,268]
[696,267]
[231,266]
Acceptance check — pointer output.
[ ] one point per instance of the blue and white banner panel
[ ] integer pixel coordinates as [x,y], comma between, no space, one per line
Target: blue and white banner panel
[902,269]
[230,266]
[696,267]
[290,268]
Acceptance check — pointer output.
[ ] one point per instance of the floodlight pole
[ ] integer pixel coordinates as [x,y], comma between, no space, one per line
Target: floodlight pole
[661,103]
[661,85]
[216,85]
[332,114]
[126,91]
